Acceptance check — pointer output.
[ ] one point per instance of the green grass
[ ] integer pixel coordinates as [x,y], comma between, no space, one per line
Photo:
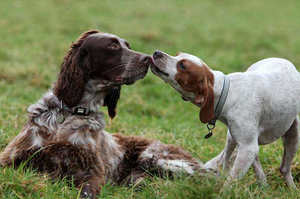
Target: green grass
[228,35]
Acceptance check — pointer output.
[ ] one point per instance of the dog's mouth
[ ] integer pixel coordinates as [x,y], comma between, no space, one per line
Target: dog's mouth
[134,75]
[157,71]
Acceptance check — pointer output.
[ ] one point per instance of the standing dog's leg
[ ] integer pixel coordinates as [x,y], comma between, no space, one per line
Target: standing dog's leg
[229,148]
[223,159]
[245,158]
[290,143]
[259,172]
[247,140]
[215,163]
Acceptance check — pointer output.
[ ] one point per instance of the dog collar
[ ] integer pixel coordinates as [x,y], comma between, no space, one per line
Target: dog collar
[78,110]
[218,110]
[74,111]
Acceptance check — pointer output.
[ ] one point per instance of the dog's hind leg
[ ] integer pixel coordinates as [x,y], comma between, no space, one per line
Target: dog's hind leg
[290,144]
[166,160]
[135,177]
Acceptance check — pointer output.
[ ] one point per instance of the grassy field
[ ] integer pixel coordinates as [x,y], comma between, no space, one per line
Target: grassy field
[228,35]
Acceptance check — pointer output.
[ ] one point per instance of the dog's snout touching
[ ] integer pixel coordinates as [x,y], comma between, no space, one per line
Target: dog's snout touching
[145,59]
[157,54]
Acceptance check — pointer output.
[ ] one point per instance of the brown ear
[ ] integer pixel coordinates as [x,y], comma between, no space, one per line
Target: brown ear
[199,99]
[207,109]
[72,78]
[111,101]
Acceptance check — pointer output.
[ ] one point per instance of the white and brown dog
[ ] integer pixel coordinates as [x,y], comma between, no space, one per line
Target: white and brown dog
[261,106]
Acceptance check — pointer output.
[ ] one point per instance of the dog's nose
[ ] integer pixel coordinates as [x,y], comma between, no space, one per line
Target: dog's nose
[145,59]
[157,54]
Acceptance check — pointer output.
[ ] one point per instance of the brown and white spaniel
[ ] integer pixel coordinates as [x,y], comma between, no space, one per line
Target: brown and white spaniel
[65,135]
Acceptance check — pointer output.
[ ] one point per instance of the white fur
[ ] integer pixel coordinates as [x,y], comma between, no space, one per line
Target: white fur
[115,147]
[79,139]
[148,153]
[262,106]
[13,153]
[37,141]
[175,165]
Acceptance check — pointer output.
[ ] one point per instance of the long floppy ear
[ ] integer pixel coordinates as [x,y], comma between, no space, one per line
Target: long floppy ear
[207,109]
[111,101]
[73,75]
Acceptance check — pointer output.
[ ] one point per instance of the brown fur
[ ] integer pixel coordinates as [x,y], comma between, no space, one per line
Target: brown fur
[89,168]
[200,81]
[111,101]
[64,160]
[130,167]
[74,74]
[77,147]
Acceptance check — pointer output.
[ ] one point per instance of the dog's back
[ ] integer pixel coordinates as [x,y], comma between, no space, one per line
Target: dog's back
[276,83]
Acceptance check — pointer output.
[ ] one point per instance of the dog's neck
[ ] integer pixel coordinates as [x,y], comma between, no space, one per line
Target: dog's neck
[94,94]
[218,86]
[46,111]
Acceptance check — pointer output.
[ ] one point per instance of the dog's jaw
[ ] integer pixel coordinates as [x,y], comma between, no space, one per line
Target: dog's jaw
[165,68]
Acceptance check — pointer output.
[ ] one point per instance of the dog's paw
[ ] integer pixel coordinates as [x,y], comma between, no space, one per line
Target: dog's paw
[87,193]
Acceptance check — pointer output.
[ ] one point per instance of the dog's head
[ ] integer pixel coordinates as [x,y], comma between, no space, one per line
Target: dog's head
[104,57]
[190,76]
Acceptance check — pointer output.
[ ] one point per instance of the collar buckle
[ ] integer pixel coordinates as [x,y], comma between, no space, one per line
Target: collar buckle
[81,111]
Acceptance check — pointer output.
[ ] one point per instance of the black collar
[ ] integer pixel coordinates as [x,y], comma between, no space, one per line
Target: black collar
[77,110]
[218,110]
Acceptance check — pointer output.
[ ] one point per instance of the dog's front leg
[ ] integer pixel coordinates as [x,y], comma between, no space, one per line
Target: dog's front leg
[259,172]
[92,187]
[229,148]
[24,141]
[245,158]
[247,140]
[223,159]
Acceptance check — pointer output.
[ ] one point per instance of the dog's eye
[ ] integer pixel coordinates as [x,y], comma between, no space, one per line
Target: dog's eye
[114,46]
[181,66]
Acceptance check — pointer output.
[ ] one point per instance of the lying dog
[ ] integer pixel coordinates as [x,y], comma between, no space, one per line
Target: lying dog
[261,106]
[65,135]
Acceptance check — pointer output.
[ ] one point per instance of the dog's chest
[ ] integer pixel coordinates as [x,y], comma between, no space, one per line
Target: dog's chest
[80,130]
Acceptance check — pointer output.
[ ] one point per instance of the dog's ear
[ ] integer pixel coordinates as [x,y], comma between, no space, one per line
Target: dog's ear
[73,75]
[111,100]
[206,97]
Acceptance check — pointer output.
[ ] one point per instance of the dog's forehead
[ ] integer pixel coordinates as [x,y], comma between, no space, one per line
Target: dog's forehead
[190,57]
[105,35]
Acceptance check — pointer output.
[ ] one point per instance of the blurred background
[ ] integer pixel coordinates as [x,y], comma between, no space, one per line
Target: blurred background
[229,35]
